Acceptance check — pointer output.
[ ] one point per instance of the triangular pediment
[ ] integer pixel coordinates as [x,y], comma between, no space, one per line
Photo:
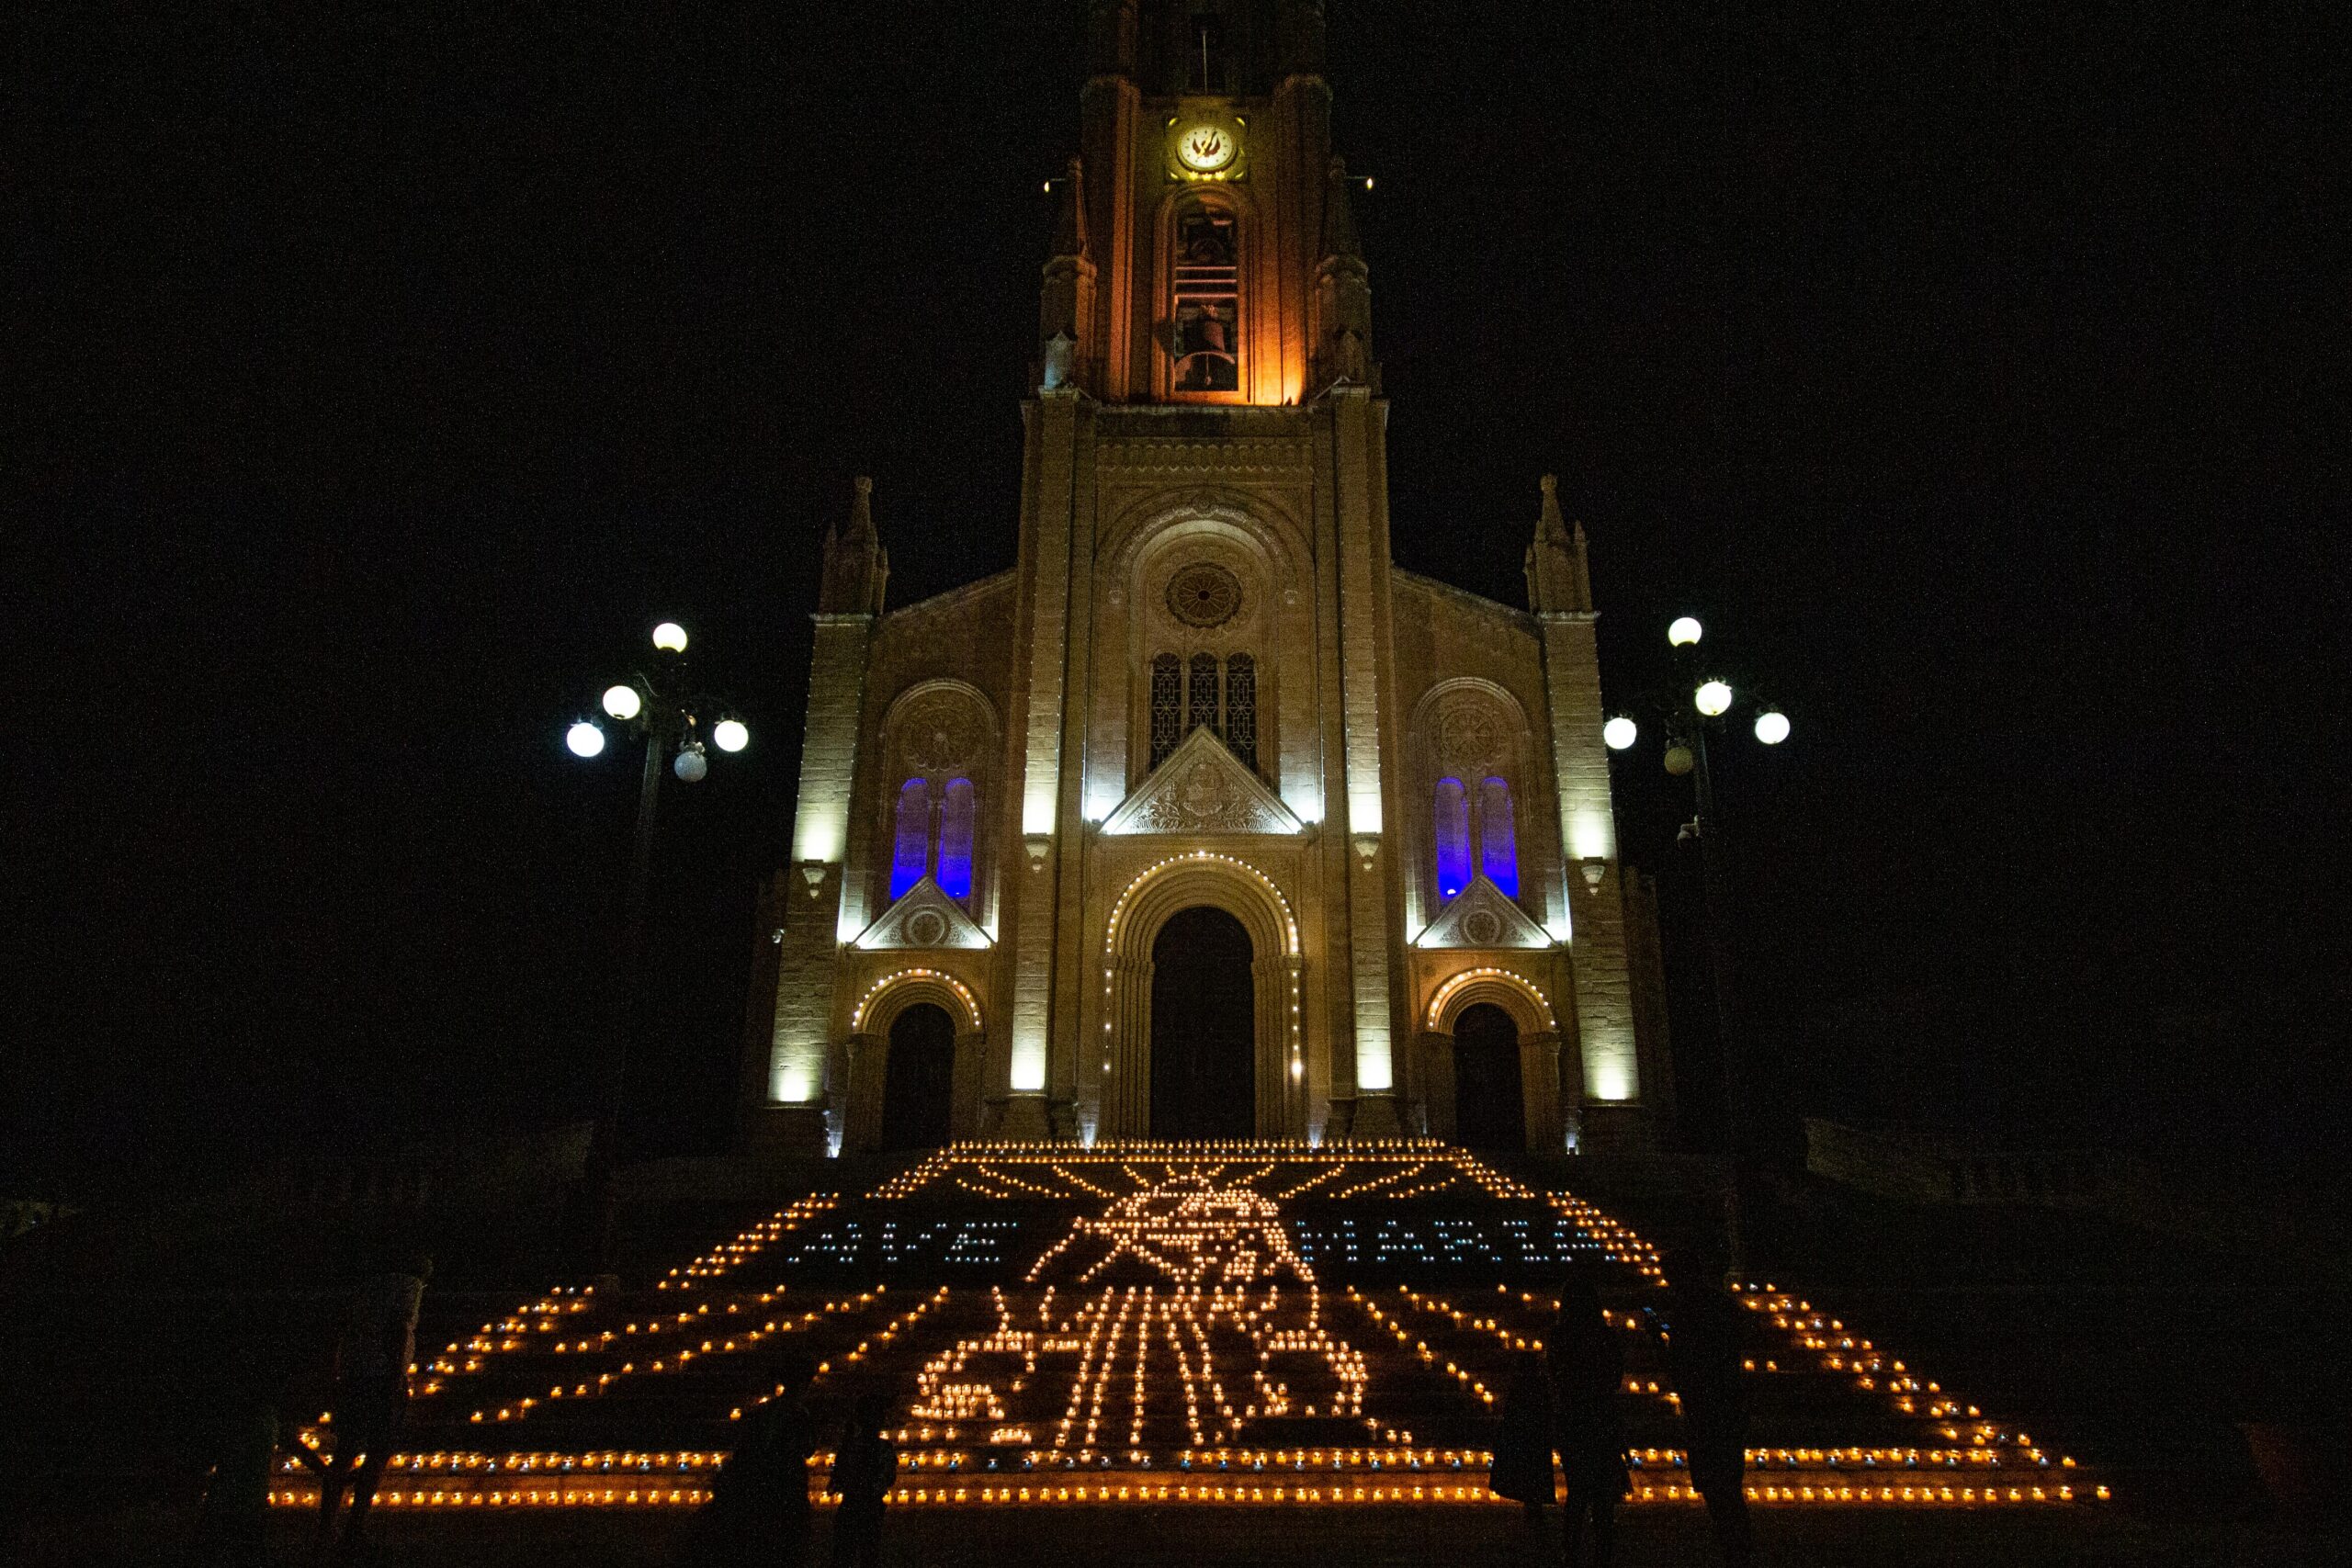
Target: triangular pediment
[923,917]
[1481,917]
[1202,788]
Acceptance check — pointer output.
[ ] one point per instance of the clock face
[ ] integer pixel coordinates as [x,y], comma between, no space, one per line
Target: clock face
[1206,149]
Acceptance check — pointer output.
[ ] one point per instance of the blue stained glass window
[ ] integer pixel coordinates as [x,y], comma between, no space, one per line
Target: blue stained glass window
[913,846]
[1497,838]
[1453,839]
[955,840]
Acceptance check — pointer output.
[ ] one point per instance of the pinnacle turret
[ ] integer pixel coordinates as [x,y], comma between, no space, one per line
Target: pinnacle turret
[1343,290]
[856,566]
[1558,578]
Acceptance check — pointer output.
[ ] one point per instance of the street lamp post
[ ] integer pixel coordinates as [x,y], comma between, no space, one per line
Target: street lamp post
[1687,753]
[659,705]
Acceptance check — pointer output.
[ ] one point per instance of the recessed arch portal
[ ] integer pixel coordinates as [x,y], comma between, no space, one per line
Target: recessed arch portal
[1121,1065]
[1491,1061]
[867,1076]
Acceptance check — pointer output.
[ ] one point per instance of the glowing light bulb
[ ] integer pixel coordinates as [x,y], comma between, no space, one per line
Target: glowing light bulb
[730,735]
[670,638]
[623,702]
[1620,733]
[1684,632]
[1771,726]
[1713,698]
[584,740]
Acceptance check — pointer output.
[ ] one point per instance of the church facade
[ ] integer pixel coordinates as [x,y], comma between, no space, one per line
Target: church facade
[1205,820]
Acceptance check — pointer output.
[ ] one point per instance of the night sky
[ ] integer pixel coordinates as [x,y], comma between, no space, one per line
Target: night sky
[376,389]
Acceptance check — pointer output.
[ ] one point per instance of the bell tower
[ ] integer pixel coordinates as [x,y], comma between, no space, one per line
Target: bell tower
[1204,252]
[1204,713]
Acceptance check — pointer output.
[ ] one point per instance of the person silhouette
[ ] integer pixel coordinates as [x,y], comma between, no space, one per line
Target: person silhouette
[759,1500]
[1703,1329]
[372,1393]
[232,1528]
[1522,1470]
[863,1471]
[1585,1361]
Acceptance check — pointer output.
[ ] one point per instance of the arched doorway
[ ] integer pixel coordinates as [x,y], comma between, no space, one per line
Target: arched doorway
[1489,1110]
[1203,1029]
[918,1079]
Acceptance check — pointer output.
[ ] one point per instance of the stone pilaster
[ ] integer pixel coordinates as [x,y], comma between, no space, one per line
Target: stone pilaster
[1597,958]
[1364,564]
[814,897]
[1037,736]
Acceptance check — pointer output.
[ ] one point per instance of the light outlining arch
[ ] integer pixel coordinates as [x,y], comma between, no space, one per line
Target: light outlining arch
[1515,994]
[894,993]
[1120,1066]
[1194,857]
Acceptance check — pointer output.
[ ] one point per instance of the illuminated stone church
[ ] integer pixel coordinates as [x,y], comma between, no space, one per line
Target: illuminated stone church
[1205,820]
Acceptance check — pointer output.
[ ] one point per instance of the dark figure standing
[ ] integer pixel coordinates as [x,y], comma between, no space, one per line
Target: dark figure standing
[371,1394]
[1703,1330]
[1522,1470]
[1586,1362]
[759,1508]
[231,1531]
[863,1471]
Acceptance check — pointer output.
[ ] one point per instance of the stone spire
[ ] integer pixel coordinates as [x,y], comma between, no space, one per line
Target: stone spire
[856,566]
[1343,290]
[1558,579]
[1065,293]
[1299,34]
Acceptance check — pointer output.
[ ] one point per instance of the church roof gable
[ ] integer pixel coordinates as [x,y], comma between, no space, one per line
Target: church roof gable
[1480,917]
[923,917]
[1202,788]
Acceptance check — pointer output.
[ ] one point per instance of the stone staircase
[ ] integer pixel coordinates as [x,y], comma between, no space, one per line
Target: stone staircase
[1272,1324]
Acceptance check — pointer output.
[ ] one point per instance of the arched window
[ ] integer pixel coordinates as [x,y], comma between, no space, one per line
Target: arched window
[1498,838]
[1241,707]
[1453,819]
[1202,707]
[955,840]
[1207,304]
[912,848]
[1167,706]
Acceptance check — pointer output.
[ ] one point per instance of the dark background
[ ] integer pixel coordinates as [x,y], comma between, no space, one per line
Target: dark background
[378,380]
